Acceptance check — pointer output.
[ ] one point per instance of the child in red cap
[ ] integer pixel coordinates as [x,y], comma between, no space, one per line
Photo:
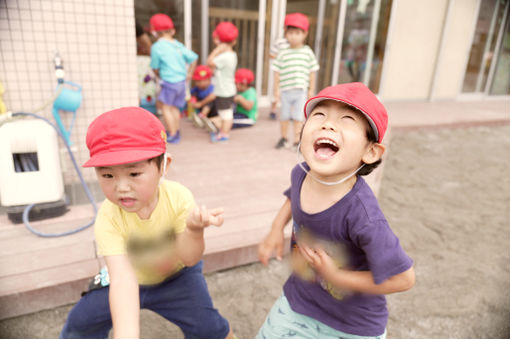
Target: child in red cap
[170,60]
[245,114]
[223,60]
[202,98]
[294,77]
[344,256]
[150,232]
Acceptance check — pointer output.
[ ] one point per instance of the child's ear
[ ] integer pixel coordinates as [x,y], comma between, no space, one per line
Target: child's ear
[166,164]
[373,153]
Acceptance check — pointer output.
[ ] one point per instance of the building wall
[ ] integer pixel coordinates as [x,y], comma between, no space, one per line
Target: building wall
[96,40]
[412,48]
[456,44]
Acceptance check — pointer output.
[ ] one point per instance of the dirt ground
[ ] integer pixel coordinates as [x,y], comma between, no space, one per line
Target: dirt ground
[446,194]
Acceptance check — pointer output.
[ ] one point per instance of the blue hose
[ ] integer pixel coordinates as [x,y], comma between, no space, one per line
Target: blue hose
[82,180]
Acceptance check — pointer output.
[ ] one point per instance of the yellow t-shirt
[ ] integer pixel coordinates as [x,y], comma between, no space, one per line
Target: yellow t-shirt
[150,243]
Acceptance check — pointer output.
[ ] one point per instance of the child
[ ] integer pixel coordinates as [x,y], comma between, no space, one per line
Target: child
[149,231]
[202,98]
[223,60]
[169,59]
[344,255]
[245,114]
[294,75]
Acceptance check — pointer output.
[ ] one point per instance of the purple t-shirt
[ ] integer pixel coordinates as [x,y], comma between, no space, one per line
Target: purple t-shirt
[355,233]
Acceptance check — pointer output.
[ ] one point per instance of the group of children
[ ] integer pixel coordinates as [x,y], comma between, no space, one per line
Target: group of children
[150,230]
[174,64]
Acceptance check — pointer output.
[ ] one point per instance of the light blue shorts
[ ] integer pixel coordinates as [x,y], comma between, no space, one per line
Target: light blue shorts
[283,323]
[293,101]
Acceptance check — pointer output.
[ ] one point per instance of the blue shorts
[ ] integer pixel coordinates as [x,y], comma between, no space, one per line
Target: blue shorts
[173,94]
[182,299]
[293,101]
[283,323]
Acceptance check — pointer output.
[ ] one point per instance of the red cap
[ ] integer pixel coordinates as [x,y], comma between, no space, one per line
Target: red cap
[358,96]
[161,22]
[244,76]
[202,72]
[125,135]
[226,31]
[298,20]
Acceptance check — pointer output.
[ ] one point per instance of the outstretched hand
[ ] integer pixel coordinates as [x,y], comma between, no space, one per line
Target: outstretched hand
[201,217]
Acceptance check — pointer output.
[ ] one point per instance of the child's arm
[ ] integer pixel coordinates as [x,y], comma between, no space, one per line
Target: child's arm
[217,50]
[358,281]
[245,103]
[311,87]
[274,240]
[191,69]
[190,243]
[209,98]
[124,297]
[156,72]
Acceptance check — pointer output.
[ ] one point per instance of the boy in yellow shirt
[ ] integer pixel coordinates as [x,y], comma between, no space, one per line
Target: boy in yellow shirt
[150,232]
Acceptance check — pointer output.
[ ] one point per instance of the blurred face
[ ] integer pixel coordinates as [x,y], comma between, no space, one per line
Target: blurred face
[295,36]
[203,83]
[334,141]
[132,186]
[241,87]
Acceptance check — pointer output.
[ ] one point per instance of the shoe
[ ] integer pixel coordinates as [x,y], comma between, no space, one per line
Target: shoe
[175,139]
[272,116]
[282,143]
[209,125]
[217,138]
[295,147]
[196,120]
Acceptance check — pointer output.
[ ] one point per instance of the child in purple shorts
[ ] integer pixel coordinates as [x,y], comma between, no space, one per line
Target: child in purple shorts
[169,59]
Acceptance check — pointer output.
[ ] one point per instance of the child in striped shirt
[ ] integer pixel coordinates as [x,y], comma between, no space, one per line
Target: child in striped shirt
[294,78]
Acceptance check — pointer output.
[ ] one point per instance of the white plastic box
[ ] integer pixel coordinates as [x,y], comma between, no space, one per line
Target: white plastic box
[41,186]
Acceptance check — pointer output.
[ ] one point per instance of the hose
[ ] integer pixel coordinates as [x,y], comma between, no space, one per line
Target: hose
[80,175]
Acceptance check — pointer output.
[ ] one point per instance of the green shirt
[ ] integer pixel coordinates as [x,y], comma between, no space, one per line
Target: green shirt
[251,95]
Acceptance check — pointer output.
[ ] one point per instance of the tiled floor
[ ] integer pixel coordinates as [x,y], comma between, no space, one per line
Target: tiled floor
[245,175]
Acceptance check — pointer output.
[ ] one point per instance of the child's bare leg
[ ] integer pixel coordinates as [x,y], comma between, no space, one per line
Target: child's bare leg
[227,119]
[176,114]
[205,111]
[284,127]
[168,117]
[216,121]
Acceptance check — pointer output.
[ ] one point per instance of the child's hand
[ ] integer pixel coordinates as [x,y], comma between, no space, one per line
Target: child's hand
[200,218]
[196,105]
[237,98]
[273,242]
[319,260]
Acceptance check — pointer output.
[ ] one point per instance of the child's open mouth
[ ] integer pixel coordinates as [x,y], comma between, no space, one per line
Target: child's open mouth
[127,202]
[325,148]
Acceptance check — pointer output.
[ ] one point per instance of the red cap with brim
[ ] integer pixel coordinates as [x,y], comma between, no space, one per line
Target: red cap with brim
[358,96]
[226,31]
[125,135]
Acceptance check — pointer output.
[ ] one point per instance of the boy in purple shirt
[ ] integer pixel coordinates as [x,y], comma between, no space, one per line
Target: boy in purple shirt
[345,257]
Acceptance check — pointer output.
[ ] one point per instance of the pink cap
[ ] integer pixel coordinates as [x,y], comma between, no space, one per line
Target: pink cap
[202,72]
[298,20]
[244,75]
[161,22]
[226,31]
[358,96]
[125,135]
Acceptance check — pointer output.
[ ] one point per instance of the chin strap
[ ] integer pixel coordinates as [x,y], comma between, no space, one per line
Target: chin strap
[321,181]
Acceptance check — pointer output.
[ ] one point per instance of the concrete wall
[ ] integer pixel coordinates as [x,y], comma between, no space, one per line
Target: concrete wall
[455,48]
[412,48]
[96,40]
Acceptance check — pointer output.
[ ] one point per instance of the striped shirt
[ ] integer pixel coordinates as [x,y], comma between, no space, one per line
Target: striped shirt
[294,66]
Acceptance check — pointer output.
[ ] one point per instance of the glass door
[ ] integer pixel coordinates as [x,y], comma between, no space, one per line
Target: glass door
[488,57]
[500,74]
